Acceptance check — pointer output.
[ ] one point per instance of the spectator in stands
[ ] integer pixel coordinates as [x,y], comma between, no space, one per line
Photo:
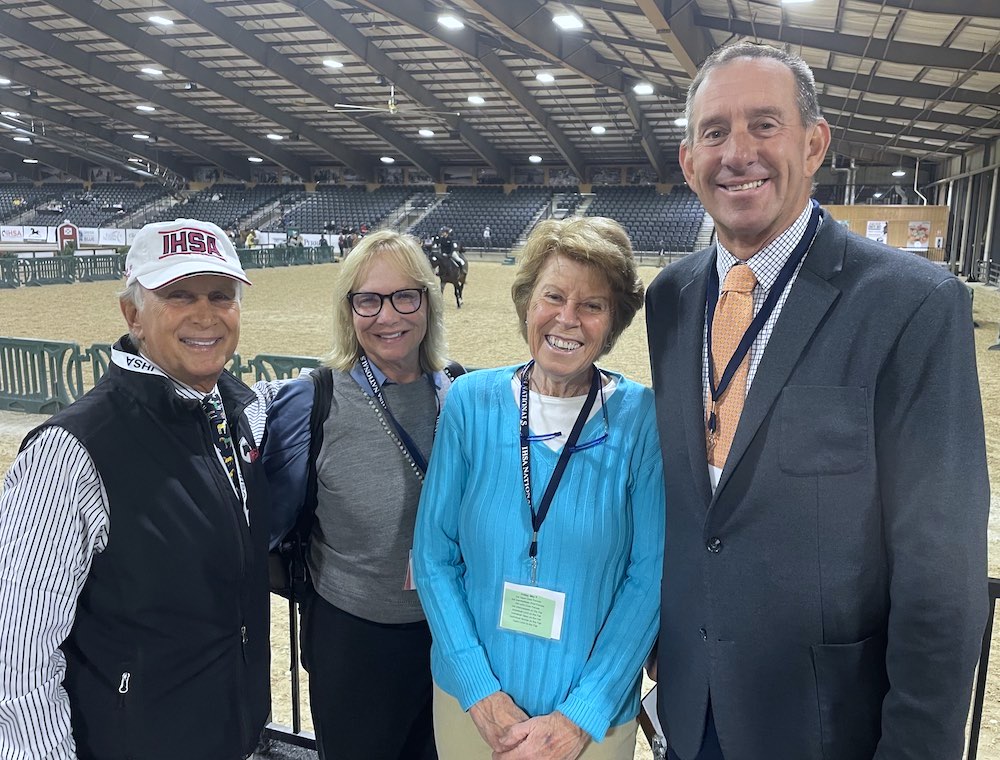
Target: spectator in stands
[365,641]
[134,534]
[487,245]
[586,554]
[824,584]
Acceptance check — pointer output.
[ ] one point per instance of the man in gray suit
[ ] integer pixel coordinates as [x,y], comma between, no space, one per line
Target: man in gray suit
[824,583]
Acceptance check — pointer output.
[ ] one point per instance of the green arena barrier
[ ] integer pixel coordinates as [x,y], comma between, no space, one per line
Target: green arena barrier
[48,271]
[93,268]
[39,376]
[275,367]
[9,277]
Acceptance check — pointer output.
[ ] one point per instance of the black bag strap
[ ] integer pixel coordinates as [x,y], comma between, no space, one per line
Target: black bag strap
[322,379]
[454,370]
[298,580]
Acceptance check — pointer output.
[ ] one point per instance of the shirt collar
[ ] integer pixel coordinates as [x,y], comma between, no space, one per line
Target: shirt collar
[767,262]
[132,363]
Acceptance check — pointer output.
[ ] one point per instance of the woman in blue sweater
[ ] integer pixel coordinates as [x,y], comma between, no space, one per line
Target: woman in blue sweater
[539,537]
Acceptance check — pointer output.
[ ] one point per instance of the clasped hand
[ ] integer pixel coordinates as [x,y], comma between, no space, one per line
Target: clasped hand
[512,735]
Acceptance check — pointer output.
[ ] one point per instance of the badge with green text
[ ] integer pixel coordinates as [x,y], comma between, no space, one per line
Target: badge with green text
[532,610]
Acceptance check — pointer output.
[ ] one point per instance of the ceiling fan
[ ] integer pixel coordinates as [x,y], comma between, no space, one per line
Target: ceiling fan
[391,107]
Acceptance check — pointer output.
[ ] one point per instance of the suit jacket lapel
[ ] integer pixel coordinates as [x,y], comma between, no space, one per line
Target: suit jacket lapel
[809,299]
[691,318]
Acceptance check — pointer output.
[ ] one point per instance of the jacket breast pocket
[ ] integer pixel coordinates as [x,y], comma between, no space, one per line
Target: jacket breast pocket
[823,429]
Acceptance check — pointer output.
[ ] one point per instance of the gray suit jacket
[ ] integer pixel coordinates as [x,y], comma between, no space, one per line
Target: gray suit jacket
[831,596]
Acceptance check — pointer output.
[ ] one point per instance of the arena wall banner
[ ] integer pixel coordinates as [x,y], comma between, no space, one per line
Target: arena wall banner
[89,235]
[130,235]
[310,240]
[35,233]
[11,234]
[112,236]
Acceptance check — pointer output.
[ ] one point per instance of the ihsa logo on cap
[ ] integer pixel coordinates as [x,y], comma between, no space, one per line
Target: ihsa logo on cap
[189,240]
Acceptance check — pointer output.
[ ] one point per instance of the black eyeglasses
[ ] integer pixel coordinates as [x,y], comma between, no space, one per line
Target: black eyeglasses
[405,301]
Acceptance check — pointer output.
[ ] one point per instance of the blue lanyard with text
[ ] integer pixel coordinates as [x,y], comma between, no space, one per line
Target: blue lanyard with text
[766,309]
[537,518]
[411,447]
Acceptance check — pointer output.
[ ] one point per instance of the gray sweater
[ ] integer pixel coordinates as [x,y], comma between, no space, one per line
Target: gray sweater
[367,494]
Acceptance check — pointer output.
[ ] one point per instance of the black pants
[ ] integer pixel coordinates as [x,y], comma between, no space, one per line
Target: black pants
[369,685]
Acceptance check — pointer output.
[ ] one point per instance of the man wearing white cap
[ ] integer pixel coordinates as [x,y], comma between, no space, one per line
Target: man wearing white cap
[133,534]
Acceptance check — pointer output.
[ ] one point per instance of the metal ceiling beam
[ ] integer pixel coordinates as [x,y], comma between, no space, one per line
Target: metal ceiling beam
[71,166]
[674,23]
[16,167]
[902,88]
[981,8]
[36,110]
[249,44]
[647,138]
[48,44]
[133,37]
[889,111]
[413,13]
[512,85]
[340,29]
[861,124]
[890,51]
[528,21]
[890,145]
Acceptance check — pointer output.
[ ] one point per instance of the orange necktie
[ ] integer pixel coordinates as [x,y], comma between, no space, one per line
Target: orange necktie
[733,315]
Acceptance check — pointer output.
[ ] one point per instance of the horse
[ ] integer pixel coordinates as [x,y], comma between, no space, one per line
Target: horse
[448,271]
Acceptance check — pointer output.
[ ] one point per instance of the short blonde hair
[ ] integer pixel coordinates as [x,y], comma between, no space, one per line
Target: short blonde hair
[594,241]
[394,249]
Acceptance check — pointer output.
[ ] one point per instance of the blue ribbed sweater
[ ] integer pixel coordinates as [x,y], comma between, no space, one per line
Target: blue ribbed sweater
[601,544]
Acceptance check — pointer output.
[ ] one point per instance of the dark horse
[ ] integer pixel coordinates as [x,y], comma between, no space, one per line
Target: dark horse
[449,271]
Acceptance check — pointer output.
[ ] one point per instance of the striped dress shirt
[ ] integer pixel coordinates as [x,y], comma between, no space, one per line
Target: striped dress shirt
[766,265]
[54,517]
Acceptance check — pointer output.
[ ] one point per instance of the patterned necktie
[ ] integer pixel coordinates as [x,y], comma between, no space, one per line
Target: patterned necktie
[733,315]
[212,405]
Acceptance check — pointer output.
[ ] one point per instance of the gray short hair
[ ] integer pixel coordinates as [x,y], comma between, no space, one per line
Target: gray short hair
[805,82]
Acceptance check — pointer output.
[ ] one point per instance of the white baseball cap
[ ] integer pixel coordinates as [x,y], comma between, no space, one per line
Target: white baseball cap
[164,252]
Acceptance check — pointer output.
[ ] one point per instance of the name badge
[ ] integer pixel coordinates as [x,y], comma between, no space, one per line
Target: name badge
[408,584]
[532,610]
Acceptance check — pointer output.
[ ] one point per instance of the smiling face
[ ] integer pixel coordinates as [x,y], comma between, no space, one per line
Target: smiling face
[568,324]
[390,339]
[189,328]
[751,160]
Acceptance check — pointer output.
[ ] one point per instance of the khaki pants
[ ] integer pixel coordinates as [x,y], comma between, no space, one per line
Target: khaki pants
[458,738]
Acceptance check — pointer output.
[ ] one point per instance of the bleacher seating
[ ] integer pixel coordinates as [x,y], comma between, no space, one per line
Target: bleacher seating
[16,198]
[99,206]
[338,207]
[652,220]
[467,210]
[232,204]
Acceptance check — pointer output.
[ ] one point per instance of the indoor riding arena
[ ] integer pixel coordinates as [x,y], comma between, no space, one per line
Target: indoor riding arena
[301,128]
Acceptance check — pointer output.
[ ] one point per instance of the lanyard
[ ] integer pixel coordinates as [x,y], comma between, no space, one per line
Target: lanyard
[419,460]
[537,518]
[766,309]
